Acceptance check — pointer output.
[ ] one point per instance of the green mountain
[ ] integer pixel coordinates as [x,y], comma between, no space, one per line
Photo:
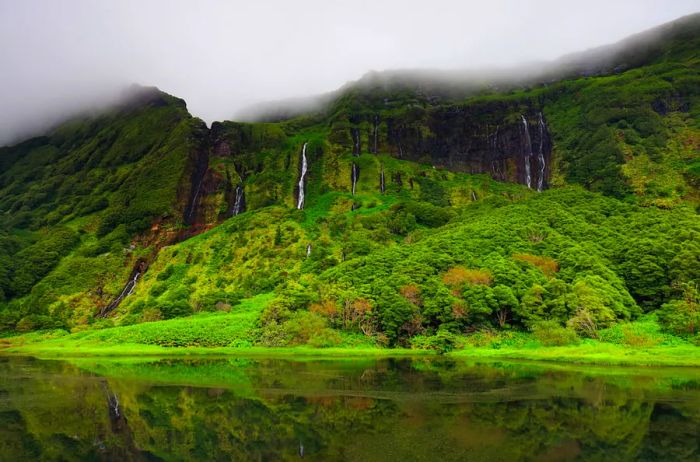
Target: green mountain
[405,207]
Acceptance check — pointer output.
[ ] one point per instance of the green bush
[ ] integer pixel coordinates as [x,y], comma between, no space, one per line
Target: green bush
[443,341]
[326,338]
[551,333]
[680,318]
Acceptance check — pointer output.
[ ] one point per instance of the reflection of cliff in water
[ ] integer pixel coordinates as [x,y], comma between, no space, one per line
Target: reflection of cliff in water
[241,409]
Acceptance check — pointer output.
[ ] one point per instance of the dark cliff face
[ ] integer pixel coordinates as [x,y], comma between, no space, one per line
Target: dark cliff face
[198,166]
[510,142]
[502,141]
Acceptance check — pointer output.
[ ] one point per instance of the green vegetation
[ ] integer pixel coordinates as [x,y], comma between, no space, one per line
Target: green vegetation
[238,333]
[417,255]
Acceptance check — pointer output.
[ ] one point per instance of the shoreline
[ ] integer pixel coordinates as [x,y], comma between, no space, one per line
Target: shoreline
[598,355]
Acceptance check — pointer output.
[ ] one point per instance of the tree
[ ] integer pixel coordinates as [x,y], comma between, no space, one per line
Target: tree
[507,302]
[682,316]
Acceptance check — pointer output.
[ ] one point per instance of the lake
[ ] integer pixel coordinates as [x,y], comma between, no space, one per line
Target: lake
[405,409]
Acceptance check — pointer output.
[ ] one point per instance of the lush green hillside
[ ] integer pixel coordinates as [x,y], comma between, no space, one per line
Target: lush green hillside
[422,218]
[79,204]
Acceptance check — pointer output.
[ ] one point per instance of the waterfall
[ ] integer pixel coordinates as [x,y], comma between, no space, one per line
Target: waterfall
[540,156]
[126,291]
[528,152]
[353,177]
[194,198]
[304,168]
[132,284]
[238,202]
[356,141]
[308,250]
[381,181]
[473,196]
[199,173]
[495,139]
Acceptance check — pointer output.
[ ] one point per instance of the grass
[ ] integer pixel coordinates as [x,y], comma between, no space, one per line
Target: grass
[143,342]
[588,353]
[71,348]
[593,352]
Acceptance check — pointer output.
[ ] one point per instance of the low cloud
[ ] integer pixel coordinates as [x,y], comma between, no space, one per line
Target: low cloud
[221,57]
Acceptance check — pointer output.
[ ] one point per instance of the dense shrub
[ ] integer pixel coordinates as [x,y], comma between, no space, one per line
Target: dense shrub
[551,333]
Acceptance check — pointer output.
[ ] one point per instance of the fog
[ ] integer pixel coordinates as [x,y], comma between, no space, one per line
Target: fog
[59,57]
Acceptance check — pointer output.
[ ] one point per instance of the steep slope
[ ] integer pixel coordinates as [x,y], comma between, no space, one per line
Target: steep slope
[75,200]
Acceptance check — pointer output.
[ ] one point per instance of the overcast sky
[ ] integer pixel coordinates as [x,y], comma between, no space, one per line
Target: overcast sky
[56,55]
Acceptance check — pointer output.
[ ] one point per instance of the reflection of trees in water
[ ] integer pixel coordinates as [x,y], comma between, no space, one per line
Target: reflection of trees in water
[371,410]
[674,433]
[57,414]
[190,423]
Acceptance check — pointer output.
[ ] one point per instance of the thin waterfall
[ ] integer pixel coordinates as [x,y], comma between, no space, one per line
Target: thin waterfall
[196,181]
[308,250]
[126,291]
[132,284]
[355,141]
[528,152]
[304,168]
[382,186]
[354,176]
[193,208]
[473,196]
[540,156]
[238,202]
[495,139]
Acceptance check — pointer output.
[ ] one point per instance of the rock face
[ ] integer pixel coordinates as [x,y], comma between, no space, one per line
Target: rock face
[500,141]
[510,142]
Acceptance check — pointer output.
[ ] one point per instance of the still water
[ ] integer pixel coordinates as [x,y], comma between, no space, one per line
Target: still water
[334,410]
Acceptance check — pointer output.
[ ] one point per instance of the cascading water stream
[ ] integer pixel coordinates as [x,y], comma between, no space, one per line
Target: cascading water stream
[354,177]
[132,284]
[382,186]
[494,141]
[126,291]
[238,202]
[528,152]
[356,141]
[540,156]
[193,208]
[304,168]
[308,250]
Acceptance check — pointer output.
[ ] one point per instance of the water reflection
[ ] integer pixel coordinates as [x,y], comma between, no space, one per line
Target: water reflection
[363,410]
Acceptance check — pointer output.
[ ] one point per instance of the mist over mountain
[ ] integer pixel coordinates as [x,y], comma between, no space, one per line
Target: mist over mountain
[440,84]
[76,55]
